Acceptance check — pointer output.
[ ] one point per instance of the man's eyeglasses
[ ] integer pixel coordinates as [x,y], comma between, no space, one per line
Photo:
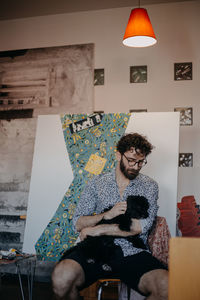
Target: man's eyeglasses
[132,162]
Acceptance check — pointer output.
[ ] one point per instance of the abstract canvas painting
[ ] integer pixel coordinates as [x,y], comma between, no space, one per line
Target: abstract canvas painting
[186,115]
[183,71]
[185,159]
[99,77]
[138,74]
[53,79]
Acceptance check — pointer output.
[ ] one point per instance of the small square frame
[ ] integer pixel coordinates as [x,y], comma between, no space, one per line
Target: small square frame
[99,76]
[138,74]
[137,110]
[186,115]
[98,111]
[183,71]
[185,159]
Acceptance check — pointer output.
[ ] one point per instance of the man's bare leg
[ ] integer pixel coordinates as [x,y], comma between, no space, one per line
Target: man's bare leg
[67,277]
[154,284]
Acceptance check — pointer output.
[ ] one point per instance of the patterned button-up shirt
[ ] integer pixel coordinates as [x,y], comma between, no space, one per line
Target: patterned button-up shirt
[102,192]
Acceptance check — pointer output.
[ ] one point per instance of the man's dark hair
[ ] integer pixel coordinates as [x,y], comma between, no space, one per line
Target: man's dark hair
[136,141]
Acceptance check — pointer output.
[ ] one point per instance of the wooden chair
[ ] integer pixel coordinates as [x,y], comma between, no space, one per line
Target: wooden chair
[105,282]
[184,268]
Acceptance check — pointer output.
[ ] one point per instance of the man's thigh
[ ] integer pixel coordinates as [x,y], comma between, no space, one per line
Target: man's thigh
[131,268]
[128,269]
[93,270]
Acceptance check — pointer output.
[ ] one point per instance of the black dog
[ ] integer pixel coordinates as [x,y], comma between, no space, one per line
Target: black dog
[100,248]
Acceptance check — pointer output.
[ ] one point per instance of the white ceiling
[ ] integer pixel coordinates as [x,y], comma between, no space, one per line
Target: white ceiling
[13,9]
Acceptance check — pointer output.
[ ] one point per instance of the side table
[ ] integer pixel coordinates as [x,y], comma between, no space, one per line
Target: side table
[22,265]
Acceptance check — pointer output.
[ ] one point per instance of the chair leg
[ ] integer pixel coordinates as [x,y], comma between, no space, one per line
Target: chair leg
[128,293]
[99,292]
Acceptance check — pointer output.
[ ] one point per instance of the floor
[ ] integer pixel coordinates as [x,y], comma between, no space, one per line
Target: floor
[10,290]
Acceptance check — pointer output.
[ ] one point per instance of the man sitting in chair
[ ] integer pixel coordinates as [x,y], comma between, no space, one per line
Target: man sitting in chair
[136,267]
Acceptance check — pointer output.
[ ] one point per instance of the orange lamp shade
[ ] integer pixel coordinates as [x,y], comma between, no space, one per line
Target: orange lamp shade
[139,31]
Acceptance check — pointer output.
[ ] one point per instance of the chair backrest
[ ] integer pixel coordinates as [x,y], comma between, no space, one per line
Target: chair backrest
[184,268]
[159,240]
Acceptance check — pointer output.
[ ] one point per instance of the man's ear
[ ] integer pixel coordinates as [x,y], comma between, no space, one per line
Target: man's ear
[118,156]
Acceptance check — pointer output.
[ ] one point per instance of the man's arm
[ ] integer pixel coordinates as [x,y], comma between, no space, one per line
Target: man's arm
[85,208]
[87,224]
[138,226]
[152,196]
[90,221]
[111,229]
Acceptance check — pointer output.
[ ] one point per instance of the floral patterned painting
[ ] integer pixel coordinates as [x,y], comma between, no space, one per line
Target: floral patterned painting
[91,145]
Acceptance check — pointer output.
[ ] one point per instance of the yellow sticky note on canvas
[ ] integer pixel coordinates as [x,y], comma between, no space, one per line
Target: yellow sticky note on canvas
[95,164]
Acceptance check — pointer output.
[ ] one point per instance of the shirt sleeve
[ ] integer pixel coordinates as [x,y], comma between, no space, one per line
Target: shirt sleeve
[152,196]
[87,203]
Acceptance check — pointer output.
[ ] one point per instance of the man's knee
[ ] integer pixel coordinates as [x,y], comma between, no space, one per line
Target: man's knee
[155,283]
[67,275]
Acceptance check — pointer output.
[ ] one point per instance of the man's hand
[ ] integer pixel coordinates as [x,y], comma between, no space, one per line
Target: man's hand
[118,209]
[136,226]
[92,231]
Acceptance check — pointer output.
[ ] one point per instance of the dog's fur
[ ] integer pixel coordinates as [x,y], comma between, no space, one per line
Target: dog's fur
[100,248]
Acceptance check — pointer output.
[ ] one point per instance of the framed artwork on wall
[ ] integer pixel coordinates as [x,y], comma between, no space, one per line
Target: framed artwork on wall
[46,80]
[98,112]
[183,71]
[138,74]
[137,110]
[186,115]
[185,159]
[99,76]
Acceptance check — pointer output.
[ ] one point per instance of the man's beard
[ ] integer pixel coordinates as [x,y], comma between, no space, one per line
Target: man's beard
[128,173]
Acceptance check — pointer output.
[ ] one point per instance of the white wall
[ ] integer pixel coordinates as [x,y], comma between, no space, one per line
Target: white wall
[176,26]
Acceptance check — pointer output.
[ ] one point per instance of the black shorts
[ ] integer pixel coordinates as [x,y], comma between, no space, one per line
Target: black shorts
[128,269]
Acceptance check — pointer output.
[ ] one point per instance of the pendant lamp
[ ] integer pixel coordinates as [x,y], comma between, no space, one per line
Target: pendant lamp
[139,31]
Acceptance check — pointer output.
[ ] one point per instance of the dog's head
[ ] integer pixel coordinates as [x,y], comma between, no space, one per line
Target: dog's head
[137,207]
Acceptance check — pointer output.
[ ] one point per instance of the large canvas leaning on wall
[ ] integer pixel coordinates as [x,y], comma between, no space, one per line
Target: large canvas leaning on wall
[71,149]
